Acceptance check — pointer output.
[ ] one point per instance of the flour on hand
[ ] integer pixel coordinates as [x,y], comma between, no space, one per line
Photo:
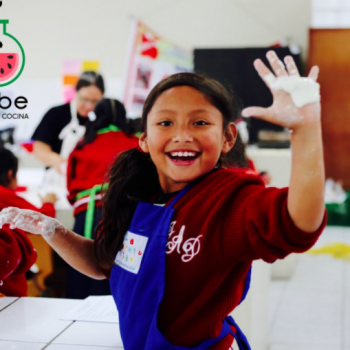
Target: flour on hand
[302,90]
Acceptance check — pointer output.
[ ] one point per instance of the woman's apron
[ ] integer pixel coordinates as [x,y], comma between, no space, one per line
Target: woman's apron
[138,279]
[70,136]
[71,133]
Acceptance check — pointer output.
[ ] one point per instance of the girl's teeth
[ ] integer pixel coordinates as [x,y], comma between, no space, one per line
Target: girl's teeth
[183,154]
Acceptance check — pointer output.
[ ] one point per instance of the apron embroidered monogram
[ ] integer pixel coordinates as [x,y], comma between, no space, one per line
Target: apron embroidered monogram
[188,250]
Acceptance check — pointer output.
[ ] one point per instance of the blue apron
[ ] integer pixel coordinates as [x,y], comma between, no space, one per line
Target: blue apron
[138,279]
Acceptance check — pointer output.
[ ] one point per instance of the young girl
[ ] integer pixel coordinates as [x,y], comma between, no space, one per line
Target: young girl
[8,184]
[107,134]
[178,268]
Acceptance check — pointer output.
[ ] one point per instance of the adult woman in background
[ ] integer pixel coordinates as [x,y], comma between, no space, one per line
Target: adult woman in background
[62,127]
[55,138]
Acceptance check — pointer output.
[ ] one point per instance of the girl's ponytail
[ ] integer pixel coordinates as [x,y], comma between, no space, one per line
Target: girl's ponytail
[132,178]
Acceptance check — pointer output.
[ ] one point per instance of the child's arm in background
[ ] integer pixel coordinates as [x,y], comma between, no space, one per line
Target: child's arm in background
[306,190]
[12,199]
[76,250]
[45,153]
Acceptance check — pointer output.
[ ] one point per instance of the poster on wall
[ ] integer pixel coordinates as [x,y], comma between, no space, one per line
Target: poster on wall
[151,58]
[72,69]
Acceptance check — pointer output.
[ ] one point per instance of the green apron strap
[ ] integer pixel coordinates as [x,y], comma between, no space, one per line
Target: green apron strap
[114,128]
[89,219]
[108,129]
[83,194]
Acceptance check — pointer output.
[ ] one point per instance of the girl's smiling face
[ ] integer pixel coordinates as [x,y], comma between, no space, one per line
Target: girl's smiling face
[185,137]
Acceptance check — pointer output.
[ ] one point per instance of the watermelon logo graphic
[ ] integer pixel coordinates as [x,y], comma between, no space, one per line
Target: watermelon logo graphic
[12,57]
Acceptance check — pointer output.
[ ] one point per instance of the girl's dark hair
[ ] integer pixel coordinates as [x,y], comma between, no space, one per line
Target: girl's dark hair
[108,112]
[8,161]
[89,78]
[133,176]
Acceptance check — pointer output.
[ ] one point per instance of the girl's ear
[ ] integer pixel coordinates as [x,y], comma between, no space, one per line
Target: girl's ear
[230,136]
[10,175]
[143,142]
[11,180]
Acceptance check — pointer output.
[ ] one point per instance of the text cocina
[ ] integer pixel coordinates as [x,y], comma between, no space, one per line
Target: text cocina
[14,116]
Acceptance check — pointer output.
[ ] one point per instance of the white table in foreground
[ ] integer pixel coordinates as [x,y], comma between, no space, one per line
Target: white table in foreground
[88,334]
[34,320]
[34,324]
[16,345]
[5,302]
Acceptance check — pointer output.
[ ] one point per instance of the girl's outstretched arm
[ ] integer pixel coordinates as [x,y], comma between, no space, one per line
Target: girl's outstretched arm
[296,106]
[76,250]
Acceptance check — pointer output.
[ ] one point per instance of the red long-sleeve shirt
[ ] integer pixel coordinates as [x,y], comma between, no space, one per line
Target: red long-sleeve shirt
[88,166]
[219,227]
[11,199]
[17,255]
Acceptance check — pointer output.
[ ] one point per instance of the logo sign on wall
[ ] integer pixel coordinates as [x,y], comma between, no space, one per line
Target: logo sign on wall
[151,59]
[12,57]
[12,61]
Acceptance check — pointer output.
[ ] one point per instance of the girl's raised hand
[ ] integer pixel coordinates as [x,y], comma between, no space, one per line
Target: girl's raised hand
[29,221]
[289,109]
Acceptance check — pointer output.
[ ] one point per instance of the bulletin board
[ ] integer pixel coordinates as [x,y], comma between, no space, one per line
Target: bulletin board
[151,58]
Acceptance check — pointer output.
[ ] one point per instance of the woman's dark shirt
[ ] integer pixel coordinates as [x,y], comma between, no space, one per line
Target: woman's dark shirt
[52,124]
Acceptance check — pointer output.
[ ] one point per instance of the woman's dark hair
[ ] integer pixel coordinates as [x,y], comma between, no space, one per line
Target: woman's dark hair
[89,78]
[133,176]
[8,162]
[108,112]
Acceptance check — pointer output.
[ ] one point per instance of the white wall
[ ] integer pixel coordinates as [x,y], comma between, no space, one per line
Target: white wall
[330,14]
[54,30]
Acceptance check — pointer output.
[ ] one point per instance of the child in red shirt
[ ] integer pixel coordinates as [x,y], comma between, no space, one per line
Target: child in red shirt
[177,271]
[107,134]
[8,184]
[17,255]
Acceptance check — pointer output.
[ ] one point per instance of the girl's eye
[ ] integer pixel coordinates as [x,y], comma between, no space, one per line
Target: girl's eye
[201,122]
[165,123]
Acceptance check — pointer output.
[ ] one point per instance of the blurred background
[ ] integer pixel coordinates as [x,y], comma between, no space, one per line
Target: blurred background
[301,303]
